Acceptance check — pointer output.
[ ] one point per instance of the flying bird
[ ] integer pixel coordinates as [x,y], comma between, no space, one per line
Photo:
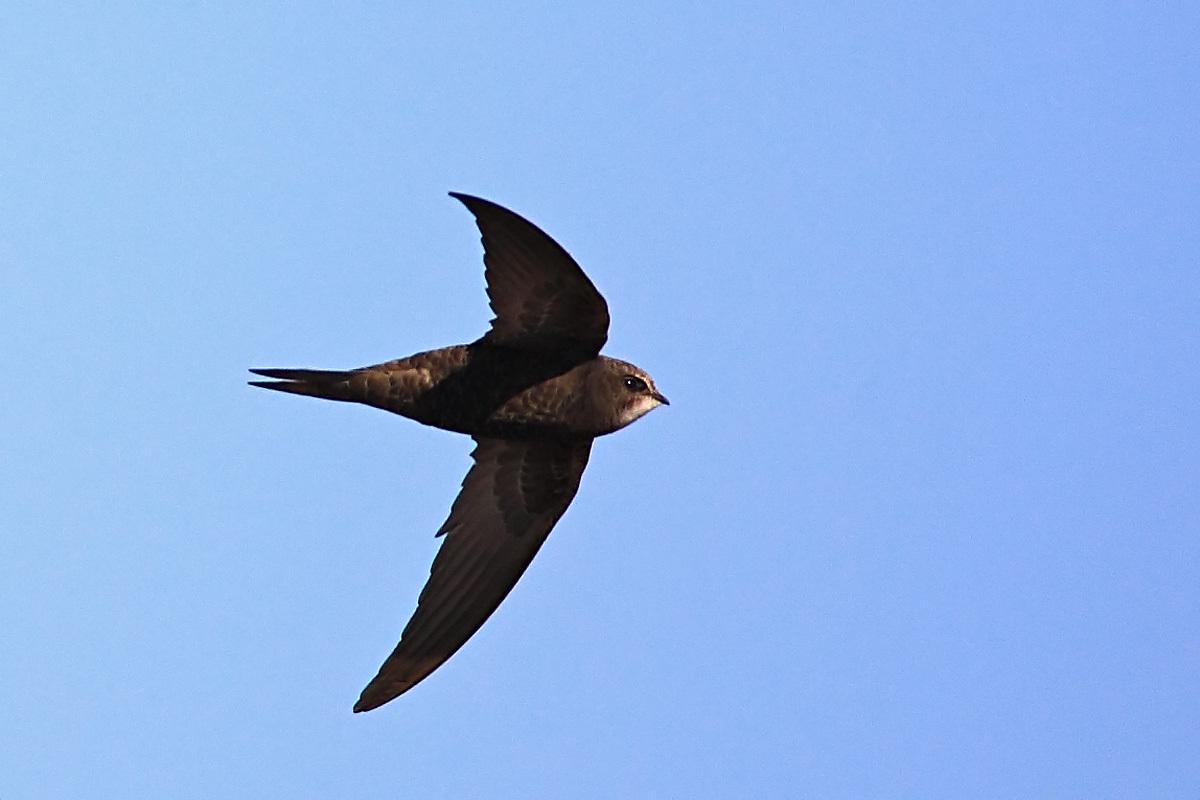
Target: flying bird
[533,392]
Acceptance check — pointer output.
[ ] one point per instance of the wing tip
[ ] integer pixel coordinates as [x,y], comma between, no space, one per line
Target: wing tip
[476,204]
[381,691]
[372,697]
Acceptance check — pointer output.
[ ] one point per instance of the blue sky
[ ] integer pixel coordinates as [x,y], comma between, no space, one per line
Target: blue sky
[921,281]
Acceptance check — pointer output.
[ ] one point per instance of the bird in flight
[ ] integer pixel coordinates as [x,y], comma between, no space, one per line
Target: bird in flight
[533,392]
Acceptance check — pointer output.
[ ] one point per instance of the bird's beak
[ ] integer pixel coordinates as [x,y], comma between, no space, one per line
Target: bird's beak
[660,398]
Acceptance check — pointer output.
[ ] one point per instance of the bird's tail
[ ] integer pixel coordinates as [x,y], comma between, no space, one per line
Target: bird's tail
[326,384]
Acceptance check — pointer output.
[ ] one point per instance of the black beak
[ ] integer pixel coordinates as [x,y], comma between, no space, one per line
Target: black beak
[660,398]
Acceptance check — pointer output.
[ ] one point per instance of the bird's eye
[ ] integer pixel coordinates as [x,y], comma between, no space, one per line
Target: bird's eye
[634,383]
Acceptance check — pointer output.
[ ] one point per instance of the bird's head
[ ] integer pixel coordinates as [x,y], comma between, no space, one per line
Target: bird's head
[626,391]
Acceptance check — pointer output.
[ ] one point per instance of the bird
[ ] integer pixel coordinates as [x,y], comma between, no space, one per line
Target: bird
[533,392]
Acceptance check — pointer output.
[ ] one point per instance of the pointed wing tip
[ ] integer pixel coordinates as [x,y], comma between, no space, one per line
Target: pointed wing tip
[378,693]
[371,698]
[474,203]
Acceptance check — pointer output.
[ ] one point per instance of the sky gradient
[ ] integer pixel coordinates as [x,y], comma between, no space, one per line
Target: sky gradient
[922,282]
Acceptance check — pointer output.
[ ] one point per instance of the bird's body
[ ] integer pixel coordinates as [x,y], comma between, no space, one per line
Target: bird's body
[483,390]
[533,392]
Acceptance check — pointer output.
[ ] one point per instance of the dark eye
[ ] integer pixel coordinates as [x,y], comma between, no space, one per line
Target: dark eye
[634,383]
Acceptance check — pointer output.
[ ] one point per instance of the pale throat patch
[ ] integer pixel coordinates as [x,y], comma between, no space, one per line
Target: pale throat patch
[638,408]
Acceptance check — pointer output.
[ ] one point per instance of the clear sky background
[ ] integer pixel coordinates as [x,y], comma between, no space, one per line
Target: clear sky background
[922,282]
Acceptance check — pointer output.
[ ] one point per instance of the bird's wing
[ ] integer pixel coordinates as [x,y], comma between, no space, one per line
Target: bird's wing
[510,500]
[542,299]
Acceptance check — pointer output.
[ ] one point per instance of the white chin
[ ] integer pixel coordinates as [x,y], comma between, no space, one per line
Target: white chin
[638,408]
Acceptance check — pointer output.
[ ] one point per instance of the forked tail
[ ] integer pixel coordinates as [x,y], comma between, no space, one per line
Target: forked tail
[326,384]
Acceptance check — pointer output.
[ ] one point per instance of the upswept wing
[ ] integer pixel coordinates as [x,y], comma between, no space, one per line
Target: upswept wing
[542,299]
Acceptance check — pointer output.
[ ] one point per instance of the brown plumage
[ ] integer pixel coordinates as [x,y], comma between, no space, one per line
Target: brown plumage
[533,392]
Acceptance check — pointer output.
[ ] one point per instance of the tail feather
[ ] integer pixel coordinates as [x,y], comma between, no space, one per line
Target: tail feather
[326,384]
[316,375]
